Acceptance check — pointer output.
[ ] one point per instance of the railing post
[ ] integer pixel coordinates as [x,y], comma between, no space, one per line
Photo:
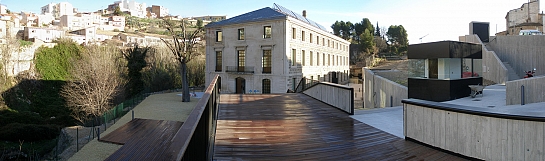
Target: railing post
[98,133]
[132,114]
[77,139]
[522,95]
[391,101]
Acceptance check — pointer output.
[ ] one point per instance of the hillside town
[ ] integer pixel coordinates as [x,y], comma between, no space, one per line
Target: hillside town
[119,23]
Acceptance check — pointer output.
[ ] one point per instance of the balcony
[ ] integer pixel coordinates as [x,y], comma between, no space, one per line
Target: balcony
[240,69]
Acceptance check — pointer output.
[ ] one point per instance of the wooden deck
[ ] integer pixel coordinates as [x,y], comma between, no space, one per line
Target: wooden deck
[143,139]
[297,127]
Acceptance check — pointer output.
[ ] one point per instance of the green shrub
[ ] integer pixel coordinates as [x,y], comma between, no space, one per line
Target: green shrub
[28,132]
[55,63]
[24,117]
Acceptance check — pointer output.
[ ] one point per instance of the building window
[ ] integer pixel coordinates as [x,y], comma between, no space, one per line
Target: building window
[323,59]
[323,41]
[218,61]
[318,40]
[266,83]
[241,34]
[302,35]
[328,60]
[311,61]
[310,38]
[294,33]
[328,43]
[267,32]
[317,59]
[267,61]
[219,36]
[303,57]
[293,57]
[241,60]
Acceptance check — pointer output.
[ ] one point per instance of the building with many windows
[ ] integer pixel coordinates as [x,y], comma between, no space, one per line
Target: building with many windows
[269,50]
[58,9]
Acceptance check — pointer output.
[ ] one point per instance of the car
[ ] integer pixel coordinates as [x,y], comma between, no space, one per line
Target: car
[530,32]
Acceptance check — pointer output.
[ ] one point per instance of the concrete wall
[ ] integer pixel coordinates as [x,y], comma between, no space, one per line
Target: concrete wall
[534,90]
[339,96]
[493,68]
[487,138]
[381,92]
[523,53]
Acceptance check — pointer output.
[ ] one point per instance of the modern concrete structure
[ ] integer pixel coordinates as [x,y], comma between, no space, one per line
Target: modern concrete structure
[269,50]
[58,9]
[442,71]
[380,92]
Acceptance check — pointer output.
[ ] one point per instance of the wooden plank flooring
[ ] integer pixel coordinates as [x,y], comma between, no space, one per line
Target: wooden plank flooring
[143,139]
[297,127]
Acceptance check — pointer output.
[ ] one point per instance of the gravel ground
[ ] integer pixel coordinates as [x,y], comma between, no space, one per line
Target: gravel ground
[166,106]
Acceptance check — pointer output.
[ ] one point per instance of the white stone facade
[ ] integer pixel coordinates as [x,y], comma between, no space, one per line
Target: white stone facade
[527,15]
[284,74]
[3,9]
[58,9]
[43,34]
[134,8]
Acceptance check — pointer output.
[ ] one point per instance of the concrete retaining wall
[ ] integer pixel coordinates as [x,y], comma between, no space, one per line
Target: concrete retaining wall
[493,68]
[476,136]
[534,90]
[339,96]
[381,92]
[523,53]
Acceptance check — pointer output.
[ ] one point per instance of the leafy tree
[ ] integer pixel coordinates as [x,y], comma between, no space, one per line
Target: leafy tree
[199,23]
[359,28]
[55,63]
[397,36]
[377,31]
[136,61]
[336,28]
[366,41]
[346,29]
[117,11]
[184,46]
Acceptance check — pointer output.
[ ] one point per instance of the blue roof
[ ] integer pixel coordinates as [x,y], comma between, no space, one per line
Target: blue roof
[257,15]
[266,13]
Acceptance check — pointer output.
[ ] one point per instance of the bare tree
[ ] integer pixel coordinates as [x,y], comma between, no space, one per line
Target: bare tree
[10,46]
[184,45]
[96,80]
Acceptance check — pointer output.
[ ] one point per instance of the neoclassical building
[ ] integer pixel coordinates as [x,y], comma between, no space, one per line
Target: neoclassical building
[269,50]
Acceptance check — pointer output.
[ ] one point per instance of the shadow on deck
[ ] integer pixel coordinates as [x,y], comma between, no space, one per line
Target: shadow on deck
[298,127]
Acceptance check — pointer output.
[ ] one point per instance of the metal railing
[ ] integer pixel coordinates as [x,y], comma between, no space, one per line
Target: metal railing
[195,139]
[305,84]
[240,69]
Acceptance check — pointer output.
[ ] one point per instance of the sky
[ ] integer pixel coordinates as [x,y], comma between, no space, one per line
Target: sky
[431,20]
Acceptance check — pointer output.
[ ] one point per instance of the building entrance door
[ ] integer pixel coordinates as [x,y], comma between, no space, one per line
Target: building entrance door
[240,85]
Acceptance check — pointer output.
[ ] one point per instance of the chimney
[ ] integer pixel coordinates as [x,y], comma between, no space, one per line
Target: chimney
[305,13]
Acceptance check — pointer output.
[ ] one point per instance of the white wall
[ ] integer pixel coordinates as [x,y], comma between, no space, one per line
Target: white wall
[380,92]
[281,45]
